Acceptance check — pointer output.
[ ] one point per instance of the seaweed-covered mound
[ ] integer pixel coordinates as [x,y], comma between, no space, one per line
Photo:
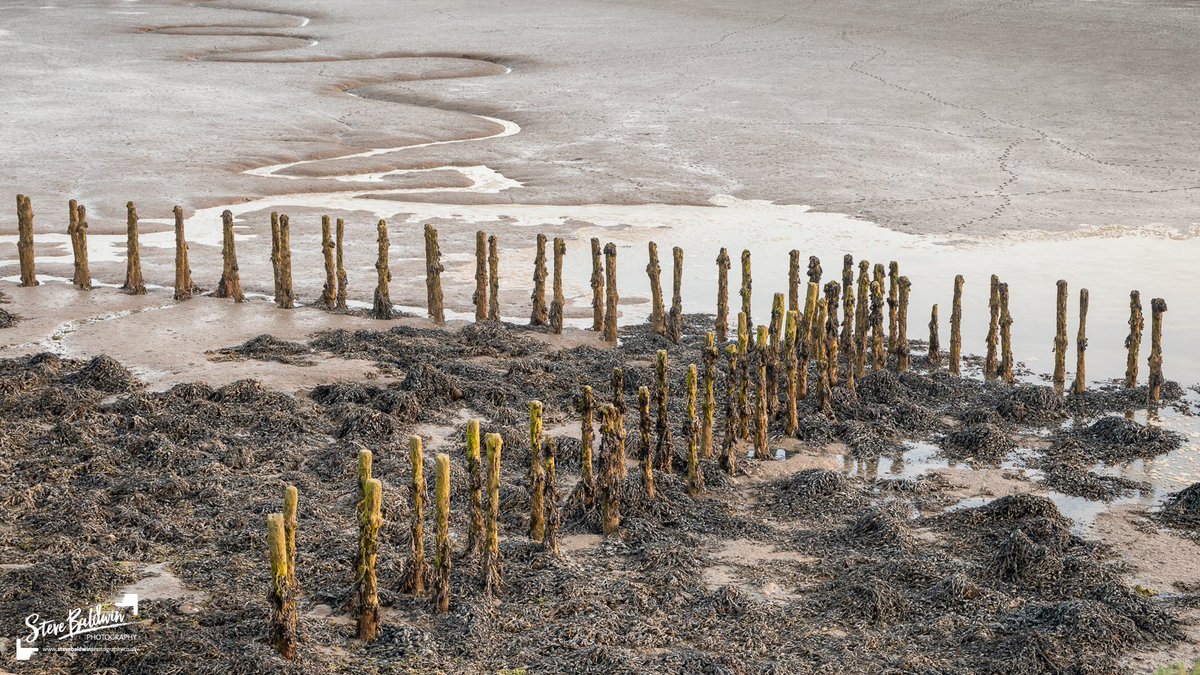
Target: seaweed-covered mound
[269,348]
[1183,507]
[982,441]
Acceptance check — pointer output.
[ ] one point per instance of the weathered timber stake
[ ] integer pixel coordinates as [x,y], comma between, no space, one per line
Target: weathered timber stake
[329,291]
[491,551]
[25,252]
[658,317]
[935,340]
[847,346]
[744,405]
[747,289]
[675,321]
[893,303]
[956,327]
[814,270]
[557,301]
[540,315]
[230,285]
[773,352]
[341,266]
[365,459]
[441,549]
[794,280]
[862,319]
[821,342]
[597,287]
[722,323]
[610,292]
[553,515]
[1133,341]
[587,431]
[691,431]
[415,572]
[276,262]
[433,276]
[366,583]
[832,291]
[1157,307]
[84,280]
[791,366]
[537,475]
[664,449]
[287,295]
[807,339]
[133,255]
[618,401]
[72,232]
[281,595]
[1081,344]
[382,308]
[709,408]
[729,440]
[990,366]
[493,296]
[1006,355]
[1060,338]
[480,298]
[610,482]
[879,348]
[903,353]
[761,417]
[183,270]
[645,435]
[475,536]
[291,503]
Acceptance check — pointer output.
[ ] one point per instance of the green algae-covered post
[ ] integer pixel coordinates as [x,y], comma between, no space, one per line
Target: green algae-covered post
[722,322]
[1133,341]
[415,572]
[587,431]
[791,366]
[708,410]
[480,298]
[370,520]
[935,341]
[744,407]
[610,474]
[761,417]
[281,595]
[291,503]
[956,327]
[903,353]
[832,290]
[794,280]
[747,289]
[645,434]
[728,457]
[824,390]
[862,319]
[553,516]
[537,475]
[475,535]
[664,450]
[847,346]
[879,354]
[691,431]
[658,318]
[441,549]
[773,353]
[807,337]
[893,303]
[493,279]
[491,550]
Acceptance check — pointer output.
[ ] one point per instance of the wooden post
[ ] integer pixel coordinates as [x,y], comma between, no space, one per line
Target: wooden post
[903,354]
[791,368]
[691,431]
[990,368]
[814,270]
[72,233]
[481,276]
[862,341]
[287,294]
[1081,345]
[744,405]
[1006,356]
[341,267]
[282,595]
[1157,307]
[618,401]
[774,353]
[553,516]
[675,321]
[956,327]
[822,342]
[610,481]
[415,572]
[1133,341]
[370,520]
[935,342]
[709,355]
[879,355]
[365,460]
[729,440]
[761,418]
[722,323]
[291,502]
[25,252]
[230,285]
[475,535]
[847,346]
[540,315]
[587,477]
[747,289]
[133,256]
[183,270]
[276,260]
[610,292]
[832,290]
[441,550]
[382,308]
[893,303]
[558,302]
[807,336]
[597,287]
[794,280]
[493,279]
[664,449]
[1060,337]
[537,475]
[658,318]
[84,280]
[645,424]
[329,291]
[491,552]
[433,276]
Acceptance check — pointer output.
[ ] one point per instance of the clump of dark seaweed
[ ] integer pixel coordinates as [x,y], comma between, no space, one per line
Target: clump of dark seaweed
[982,441]
[1020,558]
[885,525]
[1183,507]
[1072,480]
[268,348]
[357,421]
[1031,404]
[241,391]
[1139,438]
[875,601]
[103,373]
[867,440]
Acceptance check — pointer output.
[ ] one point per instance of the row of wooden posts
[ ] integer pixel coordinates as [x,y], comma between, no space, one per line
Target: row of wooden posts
[861,335]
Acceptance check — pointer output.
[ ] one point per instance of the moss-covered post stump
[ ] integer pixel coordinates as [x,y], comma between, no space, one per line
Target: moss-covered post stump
[746,292]
[935,340]
[762,388]
[645,436]
[553,515]
[832,292]
[675,320]
[664,450]
[540,314]
[658,317]
[794,280]
[879,348]
[382,306]
[414,571]
[847,346]
[721,326]
[433,276]
[728,457]
[366,583]
[587,431]
[134,285]
[774,352]
[1133,341]
[610,474]
[282,595]
[291,503]
[709,407]
[814,270]
[691,431]
[791,367]
[862,341]
[903,353]
[441,549]
[475,534]
[745,406]
[618,401]
[806,338]
[893,303]
[492,583]
[558,302]
[824,387]
[537,475]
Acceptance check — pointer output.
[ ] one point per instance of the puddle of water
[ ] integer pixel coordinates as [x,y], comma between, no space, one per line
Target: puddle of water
[915,460]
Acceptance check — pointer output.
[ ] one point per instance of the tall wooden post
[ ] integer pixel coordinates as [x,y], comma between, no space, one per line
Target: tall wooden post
[597,287]
[722,323]
[481,276]
[133,256]
[540,314]
[382,307]
[183,270]
[433,276]
[658,318]
[610,292]
[557,301]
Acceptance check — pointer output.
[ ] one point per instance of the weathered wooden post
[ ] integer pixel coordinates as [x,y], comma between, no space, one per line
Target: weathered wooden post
[822,343]
[25,252]
[935,342]
[893,303]
[480,298]
[433,276]
[382,308]
[329,291]
[370,520]
[133,256]
[747,289]
[761,417]
[610,482]
[610,292]
[285,262]
[475,535]
[1081,344]
[722,322]
[72,233]
[791,366]
[664,449]
[862,338]
[537,475]
[645,425]
[230,285]
[807,335]
[729,440]
[291,503]
[675,320]
[1157,307]
[832,291]
[553,516]
[493,296]
[990,366]
[658,317]
[1060,337]
[774,355]
[83,275]
[597,287]
[587,477]
[814,270]
[282,595]
[491,550]
[183,270]
[414,571]
[341,267]
[794,280]
[276,259]
[1006,355]
[441,549]
[847,346]
[708,410]
[558,302]
[956,327]
[879,350]
[540,315]
[745,408]
[691,431]
[903,354]
[1133,341]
